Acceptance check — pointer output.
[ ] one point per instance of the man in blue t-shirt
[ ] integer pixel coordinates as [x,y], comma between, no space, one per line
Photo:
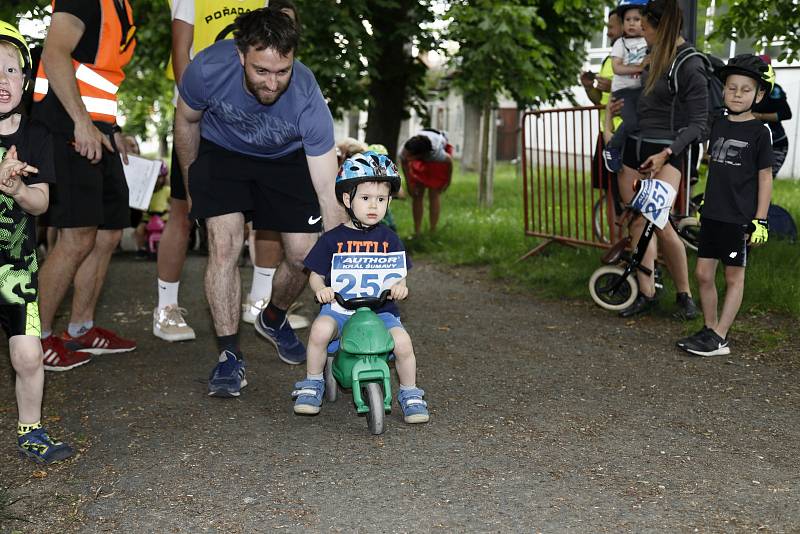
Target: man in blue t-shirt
[254,138]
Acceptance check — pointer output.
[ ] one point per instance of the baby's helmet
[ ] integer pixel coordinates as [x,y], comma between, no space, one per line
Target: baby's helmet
[366,167]
[624,5]
[10,34]
[751,66]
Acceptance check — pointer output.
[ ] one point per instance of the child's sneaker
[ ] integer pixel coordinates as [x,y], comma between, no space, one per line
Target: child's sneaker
[687,309]
[290,349]
[612,159]
[415,410]
[57,357]
[98,340]
[707,343]
[41,448]
[308,396]
[227,379]
[683,341]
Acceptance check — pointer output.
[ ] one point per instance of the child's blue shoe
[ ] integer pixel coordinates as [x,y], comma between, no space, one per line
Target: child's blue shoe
[415,410]
[308,396]
[612,158]
[41,448]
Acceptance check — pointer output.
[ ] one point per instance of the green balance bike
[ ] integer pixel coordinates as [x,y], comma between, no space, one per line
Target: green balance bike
[360,361]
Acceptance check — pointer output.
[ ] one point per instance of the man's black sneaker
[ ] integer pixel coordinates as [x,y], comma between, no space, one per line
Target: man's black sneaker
[683,341]
[641,305]
[687,309]
[709,343]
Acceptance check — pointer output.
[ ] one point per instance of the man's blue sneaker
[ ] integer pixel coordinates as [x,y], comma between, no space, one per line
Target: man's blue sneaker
[41,448]
[415,410]
[308,396]
[289,348]
[612,159]
[227,379]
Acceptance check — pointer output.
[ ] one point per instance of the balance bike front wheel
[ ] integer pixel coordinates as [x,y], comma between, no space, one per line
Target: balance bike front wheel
[604,279]
[331,386]
[375,416]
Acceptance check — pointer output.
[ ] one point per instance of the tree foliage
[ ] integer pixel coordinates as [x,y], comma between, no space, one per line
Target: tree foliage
[532,50]
[764,22]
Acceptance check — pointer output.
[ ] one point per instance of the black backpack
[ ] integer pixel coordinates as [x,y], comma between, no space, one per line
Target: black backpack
[716,105]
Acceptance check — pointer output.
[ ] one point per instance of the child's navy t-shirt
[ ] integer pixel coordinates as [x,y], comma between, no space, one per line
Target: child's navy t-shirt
[380,239]
[736,152]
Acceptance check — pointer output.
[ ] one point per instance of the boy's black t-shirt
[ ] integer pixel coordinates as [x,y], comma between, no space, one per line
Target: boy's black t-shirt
[380,239]
[736,152]
[18,264]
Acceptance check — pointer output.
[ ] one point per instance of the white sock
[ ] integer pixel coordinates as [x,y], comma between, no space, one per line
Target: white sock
[167,293]
[262,283]
[320,376]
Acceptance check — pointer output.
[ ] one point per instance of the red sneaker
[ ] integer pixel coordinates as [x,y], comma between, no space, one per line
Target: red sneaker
[57,357]
[98,341]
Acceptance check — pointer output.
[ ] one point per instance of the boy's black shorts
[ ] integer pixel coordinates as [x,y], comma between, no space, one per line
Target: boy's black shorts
[86,193]
[276,194]
[723,241]
[20,319]
[637,151]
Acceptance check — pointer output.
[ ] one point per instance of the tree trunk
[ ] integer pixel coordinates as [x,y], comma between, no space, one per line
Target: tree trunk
[352,123]
[471,147]
[485,156]
[388,88]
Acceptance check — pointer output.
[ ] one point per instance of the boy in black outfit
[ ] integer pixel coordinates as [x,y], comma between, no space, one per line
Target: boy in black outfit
[737,199]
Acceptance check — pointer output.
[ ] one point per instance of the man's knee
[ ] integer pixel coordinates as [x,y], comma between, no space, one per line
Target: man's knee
[76,243]
[107,240]
[26,360]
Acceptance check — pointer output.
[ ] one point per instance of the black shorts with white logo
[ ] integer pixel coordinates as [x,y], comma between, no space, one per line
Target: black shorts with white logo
[723,241]
[276,194]
[86,193]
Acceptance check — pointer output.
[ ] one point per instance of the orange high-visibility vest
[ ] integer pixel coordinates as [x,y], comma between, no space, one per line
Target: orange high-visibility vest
[99,82]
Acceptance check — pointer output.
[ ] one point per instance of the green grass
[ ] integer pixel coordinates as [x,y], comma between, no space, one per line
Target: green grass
[495,238]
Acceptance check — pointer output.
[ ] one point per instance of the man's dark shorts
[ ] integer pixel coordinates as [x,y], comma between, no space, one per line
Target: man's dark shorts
[176,187]
[723,241]
[86,193]
[276,194]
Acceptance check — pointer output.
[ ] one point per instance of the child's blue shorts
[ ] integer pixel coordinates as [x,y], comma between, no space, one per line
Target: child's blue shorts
[389,321]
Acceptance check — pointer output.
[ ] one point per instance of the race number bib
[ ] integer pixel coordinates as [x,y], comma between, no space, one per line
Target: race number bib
[654,201]
[365,274]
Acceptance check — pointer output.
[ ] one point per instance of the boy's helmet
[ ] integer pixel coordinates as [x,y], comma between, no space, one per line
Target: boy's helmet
[10,34]
[625,5]
[751,66]
[368,166]
[365,167]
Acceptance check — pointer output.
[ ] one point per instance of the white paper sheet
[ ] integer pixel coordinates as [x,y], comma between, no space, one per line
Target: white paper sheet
[141,175]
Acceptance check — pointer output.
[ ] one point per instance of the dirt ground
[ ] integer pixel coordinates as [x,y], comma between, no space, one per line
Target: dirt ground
[545,416]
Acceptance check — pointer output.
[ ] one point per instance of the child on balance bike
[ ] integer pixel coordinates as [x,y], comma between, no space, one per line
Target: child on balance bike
[365,185]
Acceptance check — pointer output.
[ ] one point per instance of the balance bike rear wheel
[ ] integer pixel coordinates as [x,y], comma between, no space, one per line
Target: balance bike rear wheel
[375,416]
[689,231]
[605,277]
[331,386]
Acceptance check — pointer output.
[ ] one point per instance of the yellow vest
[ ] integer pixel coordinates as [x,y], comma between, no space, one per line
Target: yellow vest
[211,17]
[607,71]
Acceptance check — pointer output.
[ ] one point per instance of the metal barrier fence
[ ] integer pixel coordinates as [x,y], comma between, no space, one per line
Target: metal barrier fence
[561,203]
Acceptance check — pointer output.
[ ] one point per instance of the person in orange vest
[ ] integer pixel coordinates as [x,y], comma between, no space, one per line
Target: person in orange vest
[75,95]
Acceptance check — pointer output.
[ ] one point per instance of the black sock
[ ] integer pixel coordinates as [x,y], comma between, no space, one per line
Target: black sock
[273,316]
[229,343]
